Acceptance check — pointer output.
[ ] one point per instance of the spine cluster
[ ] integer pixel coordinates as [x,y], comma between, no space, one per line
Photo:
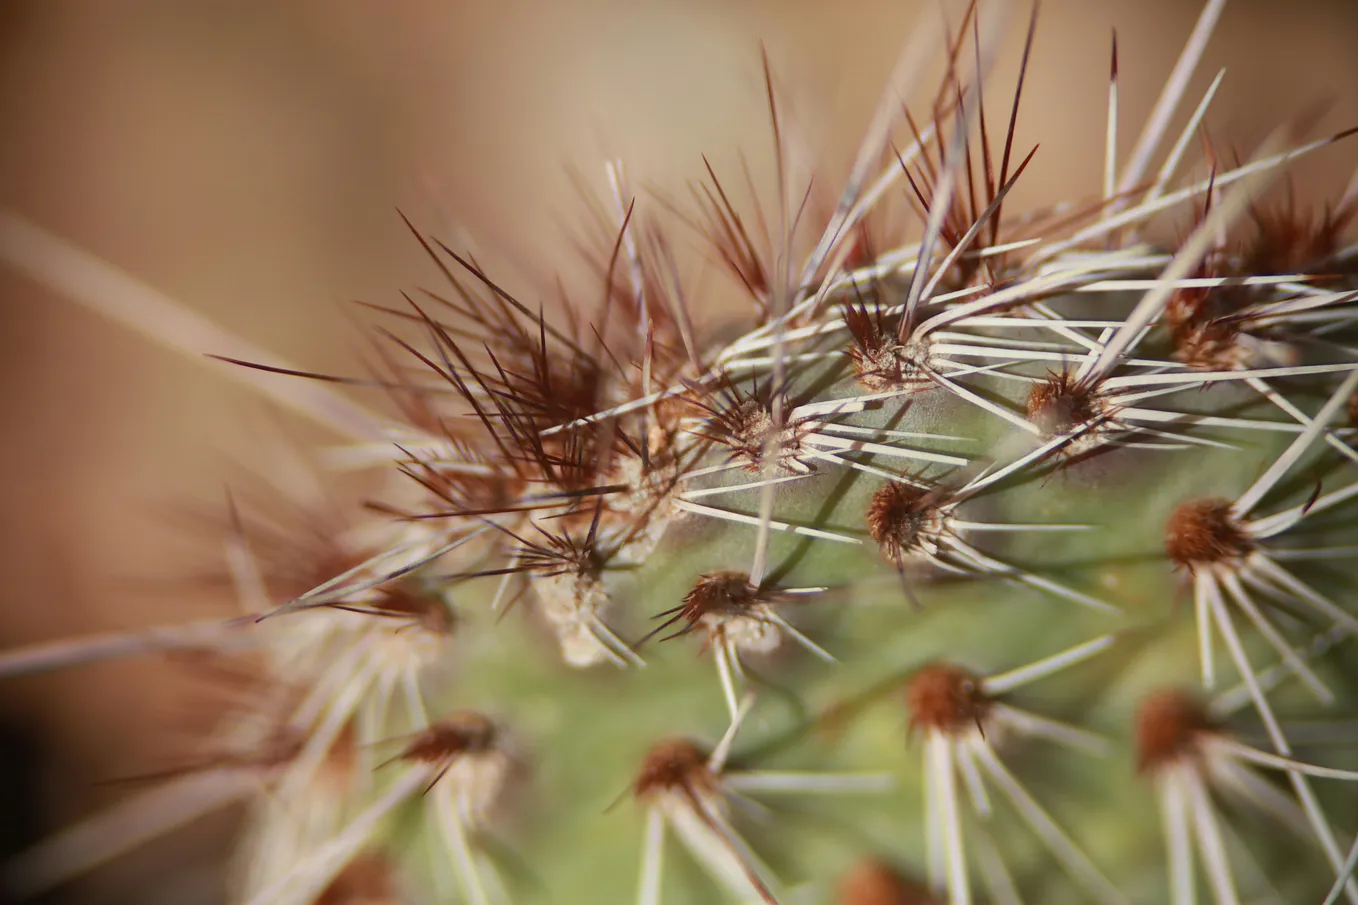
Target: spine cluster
[1017,545]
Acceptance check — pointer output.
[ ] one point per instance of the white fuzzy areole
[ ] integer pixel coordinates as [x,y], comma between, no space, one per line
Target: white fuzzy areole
[572,605]
[649,502]
[476,781]
[752,632]
[911,358]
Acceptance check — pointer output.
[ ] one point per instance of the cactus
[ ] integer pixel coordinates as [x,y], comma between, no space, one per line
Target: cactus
[1004,564]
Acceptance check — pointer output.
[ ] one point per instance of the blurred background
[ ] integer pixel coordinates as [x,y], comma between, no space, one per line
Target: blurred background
[248,158]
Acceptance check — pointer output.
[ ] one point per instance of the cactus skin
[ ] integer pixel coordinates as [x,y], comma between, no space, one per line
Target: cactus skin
[422,744]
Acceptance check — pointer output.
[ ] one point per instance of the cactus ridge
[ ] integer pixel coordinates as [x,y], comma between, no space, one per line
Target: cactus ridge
[1017,549]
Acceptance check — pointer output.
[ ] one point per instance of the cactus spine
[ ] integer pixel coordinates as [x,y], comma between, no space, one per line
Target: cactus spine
[1002,565]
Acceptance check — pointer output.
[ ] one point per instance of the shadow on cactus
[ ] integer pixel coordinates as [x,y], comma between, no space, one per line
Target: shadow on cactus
[1004,564]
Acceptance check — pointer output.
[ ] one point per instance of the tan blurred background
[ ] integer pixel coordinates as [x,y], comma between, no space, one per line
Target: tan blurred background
[248,159]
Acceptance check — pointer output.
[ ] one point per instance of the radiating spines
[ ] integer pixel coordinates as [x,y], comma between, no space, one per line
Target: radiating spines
[696,792]
[1059,404]
[471,755]
[1226,551]
[882,361]
[678,785]
[917,526]
[460,765]
[964,726]
[1193,759]
[743,419]
[737,619]
[1260,297]
[908,522]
